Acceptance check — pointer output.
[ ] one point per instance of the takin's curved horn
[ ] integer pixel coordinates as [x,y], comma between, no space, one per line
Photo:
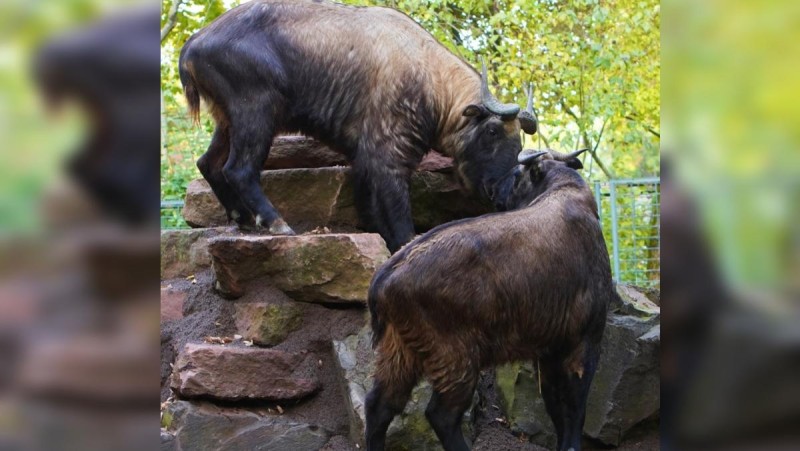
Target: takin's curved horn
[566,157]
[527,119]
[506,111]
[527,157]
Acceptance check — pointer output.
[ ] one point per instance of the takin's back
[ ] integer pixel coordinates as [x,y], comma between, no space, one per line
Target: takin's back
[333,70]
[380,41]
[541,259]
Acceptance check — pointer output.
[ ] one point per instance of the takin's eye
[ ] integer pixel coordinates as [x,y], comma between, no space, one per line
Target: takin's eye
[492,131]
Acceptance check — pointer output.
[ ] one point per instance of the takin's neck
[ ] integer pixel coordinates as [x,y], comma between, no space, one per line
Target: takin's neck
[458,86]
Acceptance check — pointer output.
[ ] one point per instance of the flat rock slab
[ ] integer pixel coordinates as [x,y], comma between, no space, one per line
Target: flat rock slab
[184,252]
[293,152]
[625,390]
[301,152]
[435,162]
[239,373]
[323,197]
[635,301]
[204,426]
[267,323]
[408,431]
[172,301]
[327,268]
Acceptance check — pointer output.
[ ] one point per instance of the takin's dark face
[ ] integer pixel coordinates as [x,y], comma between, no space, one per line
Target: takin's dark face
[489,154]
[536,172]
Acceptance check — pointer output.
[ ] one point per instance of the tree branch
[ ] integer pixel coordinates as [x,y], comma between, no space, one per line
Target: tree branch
[172,19]
[587,141]
[543,138]
[600,135]
[645,126]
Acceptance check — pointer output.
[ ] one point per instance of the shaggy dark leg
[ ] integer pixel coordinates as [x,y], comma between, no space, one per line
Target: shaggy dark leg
[383,203]
[382,405]
[445,412]
[251,140]
[210,165]
[551,392]
[565,390]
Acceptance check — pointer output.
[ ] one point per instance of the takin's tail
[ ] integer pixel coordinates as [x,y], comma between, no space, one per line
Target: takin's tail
[189,87]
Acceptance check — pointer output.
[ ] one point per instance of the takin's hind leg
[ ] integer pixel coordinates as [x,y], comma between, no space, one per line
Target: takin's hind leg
[210,165]
[251,139]
[382,405]
[445,412]
[395,376]
[565,388]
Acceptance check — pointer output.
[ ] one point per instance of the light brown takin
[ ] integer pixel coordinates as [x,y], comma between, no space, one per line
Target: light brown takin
[533,283]
[369,82]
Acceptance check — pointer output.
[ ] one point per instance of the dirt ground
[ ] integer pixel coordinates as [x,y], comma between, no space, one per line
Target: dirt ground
[206,314]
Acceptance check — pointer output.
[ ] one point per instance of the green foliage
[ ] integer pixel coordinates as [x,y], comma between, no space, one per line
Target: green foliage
[35,144]
[595,66]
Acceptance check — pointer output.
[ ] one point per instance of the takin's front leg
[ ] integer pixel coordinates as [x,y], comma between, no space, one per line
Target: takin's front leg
[383,201]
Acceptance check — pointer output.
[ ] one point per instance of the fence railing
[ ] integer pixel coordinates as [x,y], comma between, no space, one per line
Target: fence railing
[629,211]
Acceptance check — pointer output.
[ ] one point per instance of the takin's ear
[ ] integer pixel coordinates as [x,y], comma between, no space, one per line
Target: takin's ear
[475,110]
[574,163]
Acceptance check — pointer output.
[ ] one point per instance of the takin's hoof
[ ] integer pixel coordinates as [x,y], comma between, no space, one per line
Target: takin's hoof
[279,227]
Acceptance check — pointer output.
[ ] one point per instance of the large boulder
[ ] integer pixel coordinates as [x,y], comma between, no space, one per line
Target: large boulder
[625,390]
[199,425]
[627,386]
[518,387]
[410,430]
[240,373]
[323,197]
[328,268]
[184,252]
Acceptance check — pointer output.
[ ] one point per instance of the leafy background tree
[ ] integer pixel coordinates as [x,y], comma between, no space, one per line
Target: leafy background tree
[594,65]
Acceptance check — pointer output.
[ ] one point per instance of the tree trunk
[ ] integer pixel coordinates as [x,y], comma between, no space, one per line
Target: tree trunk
[172,18]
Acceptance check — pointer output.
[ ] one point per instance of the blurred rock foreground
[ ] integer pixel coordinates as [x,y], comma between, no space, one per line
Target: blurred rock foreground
[265,342]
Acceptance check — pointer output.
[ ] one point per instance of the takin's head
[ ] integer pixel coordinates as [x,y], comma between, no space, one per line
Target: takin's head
[538,170]
[492,141]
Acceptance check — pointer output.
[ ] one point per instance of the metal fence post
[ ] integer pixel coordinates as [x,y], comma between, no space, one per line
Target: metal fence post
[614,231]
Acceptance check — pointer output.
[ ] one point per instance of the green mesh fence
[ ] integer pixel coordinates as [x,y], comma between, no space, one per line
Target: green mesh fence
[630,213]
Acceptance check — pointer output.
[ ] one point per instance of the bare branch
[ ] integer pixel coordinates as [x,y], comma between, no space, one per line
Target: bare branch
[587,141]
[600,135]
[172,19]
[645,126]
[543,138]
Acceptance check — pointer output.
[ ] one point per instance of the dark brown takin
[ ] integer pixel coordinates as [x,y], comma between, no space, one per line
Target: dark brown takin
[533,283]
[369,82]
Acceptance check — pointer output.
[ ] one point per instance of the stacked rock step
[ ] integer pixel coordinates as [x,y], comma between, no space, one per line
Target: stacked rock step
[265,342]
[310,196]
[284,309]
